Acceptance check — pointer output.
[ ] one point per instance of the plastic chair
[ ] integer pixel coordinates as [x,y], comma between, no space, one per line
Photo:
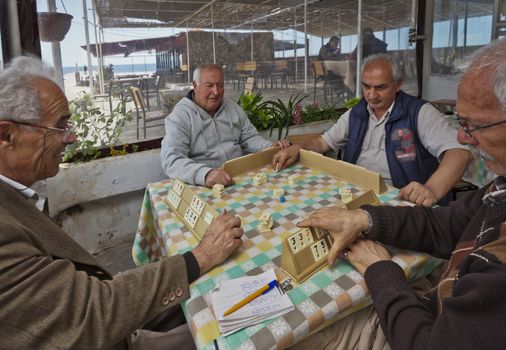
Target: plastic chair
[140,108]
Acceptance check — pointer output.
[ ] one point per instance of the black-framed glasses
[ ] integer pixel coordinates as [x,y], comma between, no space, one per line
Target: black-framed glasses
[465,125]
[66,131]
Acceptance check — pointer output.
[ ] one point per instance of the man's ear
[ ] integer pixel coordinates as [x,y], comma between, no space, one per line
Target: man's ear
[6,129]
[398,85]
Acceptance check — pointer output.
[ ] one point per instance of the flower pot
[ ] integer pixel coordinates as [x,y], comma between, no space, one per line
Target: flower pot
[53,26]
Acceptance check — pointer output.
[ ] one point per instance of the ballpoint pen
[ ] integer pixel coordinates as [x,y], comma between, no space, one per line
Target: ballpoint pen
[251,297]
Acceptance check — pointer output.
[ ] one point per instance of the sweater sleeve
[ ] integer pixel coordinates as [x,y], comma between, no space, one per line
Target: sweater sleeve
[432,230]
[48,302]
[472,318]
[251,140]
[175,152]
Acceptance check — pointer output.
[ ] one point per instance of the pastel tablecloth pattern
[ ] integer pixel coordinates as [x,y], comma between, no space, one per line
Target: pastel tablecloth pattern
[331,294]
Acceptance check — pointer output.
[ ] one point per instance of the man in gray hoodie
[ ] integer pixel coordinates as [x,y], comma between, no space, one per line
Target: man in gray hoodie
[205,129]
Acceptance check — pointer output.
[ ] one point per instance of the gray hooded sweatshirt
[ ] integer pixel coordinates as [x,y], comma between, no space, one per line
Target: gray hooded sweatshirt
[195,143]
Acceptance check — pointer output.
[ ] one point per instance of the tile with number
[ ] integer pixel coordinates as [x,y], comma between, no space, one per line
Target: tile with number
[197,204]
[173,199]
[208,218]
[320,250]
[304,238]
[178,186]
[190,216]
[293,243]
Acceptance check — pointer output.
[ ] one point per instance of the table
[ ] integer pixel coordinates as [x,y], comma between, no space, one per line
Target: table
[346,69]
[327,296]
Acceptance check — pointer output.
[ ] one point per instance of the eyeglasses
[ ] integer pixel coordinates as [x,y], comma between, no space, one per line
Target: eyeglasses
[66,131]
[465,125]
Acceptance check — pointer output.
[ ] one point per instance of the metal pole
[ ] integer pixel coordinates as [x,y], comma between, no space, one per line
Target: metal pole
[101,39]
[87,35]
[321,26]
[306,46]
[295,45]
[55,48]
[251,49]
[214,43]
[14,34]
[359,49]
[97,50]
[188,52]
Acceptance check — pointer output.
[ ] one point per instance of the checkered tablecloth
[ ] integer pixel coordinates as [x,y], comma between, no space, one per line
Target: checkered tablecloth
[327,296]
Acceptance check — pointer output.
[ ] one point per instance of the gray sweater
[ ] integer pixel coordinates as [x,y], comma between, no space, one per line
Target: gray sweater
[195,142]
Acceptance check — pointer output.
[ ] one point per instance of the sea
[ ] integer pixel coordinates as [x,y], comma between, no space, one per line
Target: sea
[118,68]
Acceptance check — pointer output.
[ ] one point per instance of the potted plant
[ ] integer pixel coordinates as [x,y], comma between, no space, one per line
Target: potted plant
[53,26]
[258,112]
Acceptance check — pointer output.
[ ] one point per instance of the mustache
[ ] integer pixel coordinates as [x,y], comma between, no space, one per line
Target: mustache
[478,152]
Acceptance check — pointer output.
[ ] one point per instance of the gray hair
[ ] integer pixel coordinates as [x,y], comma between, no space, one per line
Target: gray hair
[197,73]
[491,59]
[385,58]
[18,97]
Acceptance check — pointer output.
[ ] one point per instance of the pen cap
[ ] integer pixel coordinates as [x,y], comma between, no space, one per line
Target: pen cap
[272,284]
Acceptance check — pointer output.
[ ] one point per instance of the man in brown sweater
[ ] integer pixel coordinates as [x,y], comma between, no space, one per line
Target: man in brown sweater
[467,308]
[53,294]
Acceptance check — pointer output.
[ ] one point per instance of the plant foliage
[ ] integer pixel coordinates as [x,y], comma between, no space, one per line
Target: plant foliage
[282,113]
[94,129]
[257,111]
[352,102]
[267,115]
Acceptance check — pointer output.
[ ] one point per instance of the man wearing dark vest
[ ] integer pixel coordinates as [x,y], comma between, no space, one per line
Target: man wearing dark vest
[403,138]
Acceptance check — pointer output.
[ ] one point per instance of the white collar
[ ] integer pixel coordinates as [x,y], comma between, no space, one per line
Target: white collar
[389,110]
[25,191]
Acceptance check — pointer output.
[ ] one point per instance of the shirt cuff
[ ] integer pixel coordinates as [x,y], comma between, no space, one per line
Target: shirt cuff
[192,266]
[200,176]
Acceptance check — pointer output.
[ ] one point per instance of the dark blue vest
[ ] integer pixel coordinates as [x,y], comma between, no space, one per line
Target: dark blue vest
[408,159]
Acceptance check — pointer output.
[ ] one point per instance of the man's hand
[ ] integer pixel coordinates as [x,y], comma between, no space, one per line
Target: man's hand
[344,225]
[363,253]
[218,176]
[285,157]
[419,194]
[282,144]
[222,237]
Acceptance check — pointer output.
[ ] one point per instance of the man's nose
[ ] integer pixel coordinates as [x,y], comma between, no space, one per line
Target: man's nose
[464,138]
[70,138]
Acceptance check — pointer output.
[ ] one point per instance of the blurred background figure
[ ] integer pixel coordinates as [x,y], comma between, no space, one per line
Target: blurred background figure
[331,50]
[370,44]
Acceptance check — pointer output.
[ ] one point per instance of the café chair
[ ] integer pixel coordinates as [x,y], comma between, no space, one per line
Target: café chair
[143,115]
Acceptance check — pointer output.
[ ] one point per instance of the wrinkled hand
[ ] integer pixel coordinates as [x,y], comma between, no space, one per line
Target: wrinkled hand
[218,176]
[419,194]
[285,157]
[364,252]
[282,144]
[222,237]
[344,225]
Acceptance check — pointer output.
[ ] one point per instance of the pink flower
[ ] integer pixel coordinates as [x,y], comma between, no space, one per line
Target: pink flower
[297,117]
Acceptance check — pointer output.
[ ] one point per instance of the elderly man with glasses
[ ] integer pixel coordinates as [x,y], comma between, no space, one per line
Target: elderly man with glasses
[53,293]
[466,309]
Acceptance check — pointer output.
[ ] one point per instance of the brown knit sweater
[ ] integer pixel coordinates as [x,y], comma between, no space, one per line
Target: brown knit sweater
[467,310]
